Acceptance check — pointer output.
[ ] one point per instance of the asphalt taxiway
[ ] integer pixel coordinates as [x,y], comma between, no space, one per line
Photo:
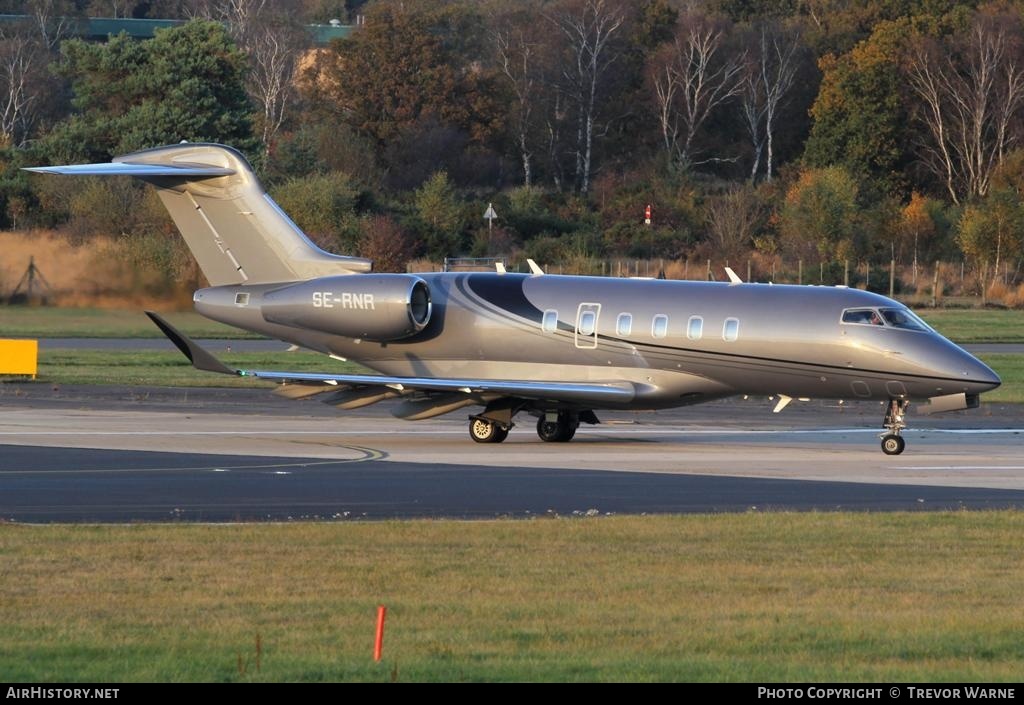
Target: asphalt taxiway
[129,454]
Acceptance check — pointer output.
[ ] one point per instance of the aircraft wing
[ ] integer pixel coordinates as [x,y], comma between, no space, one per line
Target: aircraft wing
[587,392]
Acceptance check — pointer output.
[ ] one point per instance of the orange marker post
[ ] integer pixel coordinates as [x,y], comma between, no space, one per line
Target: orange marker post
[378,644]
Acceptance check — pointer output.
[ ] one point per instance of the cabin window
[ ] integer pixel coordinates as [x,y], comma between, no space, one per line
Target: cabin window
[659,327]
[549,324]
[902,318]
[863,316]
[731,329]
[242,299]
[588,320]
[624,325]
[695,328]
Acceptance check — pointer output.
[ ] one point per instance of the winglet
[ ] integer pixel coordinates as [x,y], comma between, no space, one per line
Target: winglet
[734,278]
[200,358]
[534,267]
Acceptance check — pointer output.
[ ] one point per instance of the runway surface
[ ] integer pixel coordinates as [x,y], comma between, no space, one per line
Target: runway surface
[120,454]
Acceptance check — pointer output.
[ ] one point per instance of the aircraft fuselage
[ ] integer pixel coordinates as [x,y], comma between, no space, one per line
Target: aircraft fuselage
[679,342]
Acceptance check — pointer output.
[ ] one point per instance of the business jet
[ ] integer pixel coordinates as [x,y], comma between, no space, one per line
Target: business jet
[560,348]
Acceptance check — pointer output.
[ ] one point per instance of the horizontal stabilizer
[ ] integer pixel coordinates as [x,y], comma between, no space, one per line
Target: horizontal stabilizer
[235,230]
[139,170]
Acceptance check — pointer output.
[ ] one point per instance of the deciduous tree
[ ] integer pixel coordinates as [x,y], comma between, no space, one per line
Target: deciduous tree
[971,92]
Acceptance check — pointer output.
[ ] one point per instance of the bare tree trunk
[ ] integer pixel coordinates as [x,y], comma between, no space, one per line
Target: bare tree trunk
[588,32]
[273,46]
[516,57]
[768,78]
[690,82]
[970,102]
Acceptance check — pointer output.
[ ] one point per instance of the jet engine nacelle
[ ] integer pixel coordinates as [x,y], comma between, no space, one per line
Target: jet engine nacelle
[375,307]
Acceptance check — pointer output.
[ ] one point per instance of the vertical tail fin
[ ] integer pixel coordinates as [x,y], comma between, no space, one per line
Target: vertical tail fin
[232,226]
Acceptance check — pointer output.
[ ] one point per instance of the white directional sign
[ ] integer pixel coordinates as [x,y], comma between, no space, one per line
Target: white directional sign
[490,215]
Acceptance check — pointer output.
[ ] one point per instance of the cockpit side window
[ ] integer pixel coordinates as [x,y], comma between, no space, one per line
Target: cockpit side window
[863,316]
[902,318]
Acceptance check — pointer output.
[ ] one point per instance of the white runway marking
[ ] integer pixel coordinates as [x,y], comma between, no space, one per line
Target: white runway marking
[957,467]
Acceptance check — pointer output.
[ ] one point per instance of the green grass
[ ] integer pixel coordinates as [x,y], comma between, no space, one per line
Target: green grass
[793,597]
[960,325]
[977,325]
[44,322]
[171,369]
[1010,368]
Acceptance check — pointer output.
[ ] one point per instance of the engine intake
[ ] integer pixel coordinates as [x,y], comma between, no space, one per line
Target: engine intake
[375,307]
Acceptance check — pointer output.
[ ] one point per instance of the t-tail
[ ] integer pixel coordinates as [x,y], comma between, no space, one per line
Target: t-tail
[236,231]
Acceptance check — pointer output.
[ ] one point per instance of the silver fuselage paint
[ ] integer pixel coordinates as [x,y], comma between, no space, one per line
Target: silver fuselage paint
[778,340]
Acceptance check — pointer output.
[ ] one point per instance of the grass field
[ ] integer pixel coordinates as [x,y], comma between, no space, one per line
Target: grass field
[977,325]
[960,325]
[1010,368]
[756,596]
[39,322]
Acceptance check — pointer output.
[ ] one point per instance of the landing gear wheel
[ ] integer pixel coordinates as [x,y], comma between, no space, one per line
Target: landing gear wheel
[560,431]
[892,444]
[895,421]
[484,431]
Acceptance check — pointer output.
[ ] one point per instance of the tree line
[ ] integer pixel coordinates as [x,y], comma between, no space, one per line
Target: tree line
[823,130]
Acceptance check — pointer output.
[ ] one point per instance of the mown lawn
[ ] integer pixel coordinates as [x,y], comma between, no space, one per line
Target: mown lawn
[757,596]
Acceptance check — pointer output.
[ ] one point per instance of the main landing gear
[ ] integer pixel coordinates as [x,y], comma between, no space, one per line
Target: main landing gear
[557,429]
[894,423]
[483,430]
[553,427]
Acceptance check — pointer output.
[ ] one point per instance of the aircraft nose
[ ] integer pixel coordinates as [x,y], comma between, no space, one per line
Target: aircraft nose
[976,374]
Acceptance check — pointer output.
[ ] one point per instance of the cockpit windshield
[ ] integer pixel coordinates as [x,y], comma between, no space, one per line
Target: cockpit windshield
[891,317]
[865,316]
[903,318]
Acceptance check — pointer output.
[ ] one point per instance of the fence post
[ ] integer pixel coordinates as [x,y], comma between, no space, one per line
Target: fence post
[800,271]
[748,270]
[892,277]
[846,272]
[708,277]
[935,285]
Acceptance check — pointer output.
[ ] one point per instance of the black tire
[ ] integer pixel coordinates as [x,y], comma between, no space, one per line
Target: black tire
[483,431]
[549,431]
[560,431]
[893,444]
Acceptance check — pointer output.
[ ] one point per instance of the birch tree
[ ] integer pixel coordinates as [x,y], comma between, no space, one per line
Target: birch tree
[588,28]
[273,45]
[517,55]
[767,77]
[690,78]
[970,93]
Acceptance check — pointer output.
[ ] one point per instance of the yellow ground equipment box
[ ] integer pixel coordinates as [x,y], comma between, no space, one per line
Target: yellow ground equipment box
[19,357]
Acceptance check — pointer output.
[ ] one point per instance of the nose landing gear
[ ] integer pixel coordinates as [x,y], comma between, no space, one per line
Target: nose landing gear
[894,423]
